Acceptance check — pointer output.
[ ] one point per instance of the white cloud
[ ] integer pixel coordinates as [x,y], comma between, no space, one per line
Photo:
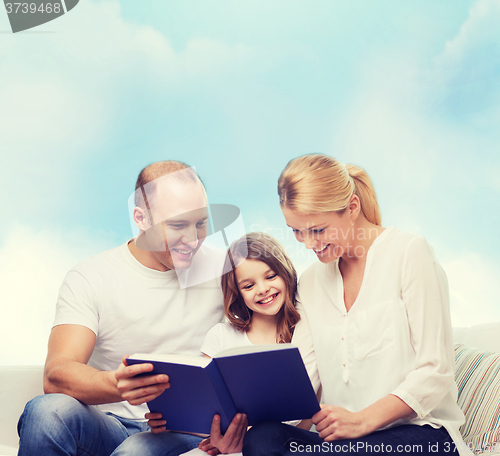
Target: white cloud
[32,267]
[474,53]
[474,289]
[466,73]
[65,93]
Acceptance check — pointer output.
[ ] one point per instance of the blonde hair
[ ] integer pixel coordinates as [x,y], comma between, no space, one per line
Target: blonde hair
[317,183]
[261,247]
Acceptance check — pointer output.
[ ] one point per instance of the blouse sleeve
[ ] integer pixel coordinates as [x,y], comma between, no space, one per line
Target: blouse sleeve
[424,292]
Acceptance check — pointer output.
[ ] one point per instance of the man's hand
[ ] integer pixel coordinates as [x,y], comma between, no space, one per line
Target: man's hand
[137,390]
[335,423]
[156,423]
[231,441]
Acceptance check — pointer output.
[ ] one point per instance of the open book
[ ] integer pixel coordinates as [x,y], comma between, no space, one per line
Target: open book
[266,382]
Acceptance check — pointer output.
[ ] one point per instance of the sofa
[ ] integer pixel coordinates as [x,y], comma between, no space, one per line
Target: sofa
[477,358]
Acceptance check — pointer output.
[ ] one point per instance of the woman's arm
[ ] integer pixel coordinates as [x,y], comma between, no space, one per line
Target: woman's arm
[424,291]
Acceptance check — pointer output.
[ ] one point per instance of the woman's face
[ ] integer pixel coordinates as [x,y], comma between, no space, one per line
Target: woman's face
[329,234]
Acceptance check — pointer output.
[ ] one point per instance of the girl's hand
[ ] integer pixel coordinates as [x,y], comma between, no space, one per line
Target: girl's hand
[232,440]
[207,447]
[155,422]
[336,423]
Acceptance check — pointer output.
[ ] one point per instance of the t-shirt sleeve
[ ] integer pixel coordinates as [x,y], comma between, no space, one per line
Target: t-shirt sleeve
[303,340]
[214,340]
[425,295]
[77,303]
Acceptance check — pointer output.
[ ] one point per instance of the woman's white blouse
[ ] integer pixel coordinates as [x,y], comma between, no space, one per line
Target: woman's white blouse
[396,338]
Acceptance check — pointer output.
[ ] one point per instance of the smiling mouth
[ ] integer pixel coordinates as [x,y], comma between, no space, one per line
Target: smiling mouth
[322,250]
[184,253]
[268,300]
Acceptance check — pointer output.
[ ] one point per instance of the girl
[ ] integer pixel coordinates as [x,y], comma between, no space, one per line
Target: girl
[259,296]
[259,302]
[377,305]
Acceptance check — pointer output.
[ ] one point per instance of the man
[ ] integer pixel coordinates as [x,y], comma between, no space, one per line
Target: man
[122,301]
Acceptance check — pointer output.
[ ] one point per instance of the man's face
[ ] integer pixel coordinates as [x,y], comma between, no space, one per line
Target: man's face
[179,214]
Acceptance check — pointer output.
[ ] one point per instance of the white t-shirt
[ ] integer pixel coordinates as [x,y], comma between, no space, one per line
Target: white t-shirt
[396,338]
[224,336]
[132,309]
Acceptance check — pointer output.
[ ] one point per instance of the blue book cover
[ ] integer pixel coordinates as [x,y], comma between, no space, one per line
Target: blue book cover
[266,382]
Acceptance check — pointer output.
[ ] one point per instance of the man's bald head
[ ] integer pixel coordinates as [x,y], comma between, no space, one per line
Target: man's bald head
[149,176]
[171,212]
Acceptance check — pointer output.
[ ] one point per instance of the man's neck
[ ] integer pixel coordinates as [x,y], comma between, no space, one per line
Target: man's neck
[145,257]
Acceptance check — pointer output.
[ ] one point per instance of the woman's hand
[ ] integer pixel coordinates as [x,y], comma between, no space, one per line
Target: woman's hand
[336,423]
[155,422]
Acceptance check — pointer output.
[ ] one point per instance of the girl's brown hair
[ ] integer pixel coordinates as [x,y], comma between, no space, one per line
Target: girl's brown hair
[316,183]
[261,247]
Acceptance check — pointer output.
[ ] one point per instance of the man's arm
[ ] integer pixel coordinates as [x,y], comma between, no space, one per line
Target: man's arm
[66,369]
[67,372]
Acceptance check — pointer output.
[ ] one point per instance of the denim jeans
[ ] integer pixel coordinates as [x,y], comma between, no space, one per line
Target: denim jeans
[277,439]
[57,424]
[164,444]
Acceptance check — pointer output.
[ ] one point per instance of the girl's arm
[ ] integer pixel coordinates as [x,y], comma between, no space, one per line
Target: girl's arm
[306,424]
[303,340]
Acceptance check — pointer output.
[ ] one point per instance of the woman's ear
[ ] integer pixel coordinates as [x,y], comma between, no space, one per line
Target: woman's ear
[141,219]
[354,207]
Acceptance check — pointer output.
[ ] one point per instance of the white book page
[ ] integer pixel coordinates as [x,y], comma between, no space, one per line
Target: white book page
[253,349]
[176,359]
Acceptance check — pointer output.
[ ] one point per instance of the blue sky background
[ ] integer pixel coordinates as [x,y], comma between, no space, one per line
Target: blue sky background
[410,91]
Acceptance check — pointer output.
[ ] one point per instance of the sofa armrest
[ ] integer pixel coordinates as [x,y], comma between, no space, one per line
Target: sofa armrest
[18,385]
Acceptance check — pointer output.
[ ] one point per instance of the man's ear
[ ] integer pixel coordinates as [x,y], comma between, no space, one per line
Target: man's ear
[141,219]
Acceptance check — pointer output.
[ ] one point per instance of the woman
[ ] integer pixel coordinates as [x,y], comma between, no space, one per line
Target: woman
[378,310]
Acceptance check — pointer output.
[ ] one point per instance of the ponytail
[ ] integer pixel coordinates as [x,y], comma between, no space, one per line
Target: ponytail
[363,188]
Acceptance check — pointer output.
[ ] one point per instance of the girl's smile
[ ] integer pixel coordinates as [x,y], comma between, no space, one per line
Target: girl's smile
[269,300]
[261,288]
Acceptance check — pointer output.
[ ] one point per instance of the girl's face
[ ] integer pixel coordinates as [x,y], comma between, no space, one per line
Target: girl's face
[329,234]
[261,288]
